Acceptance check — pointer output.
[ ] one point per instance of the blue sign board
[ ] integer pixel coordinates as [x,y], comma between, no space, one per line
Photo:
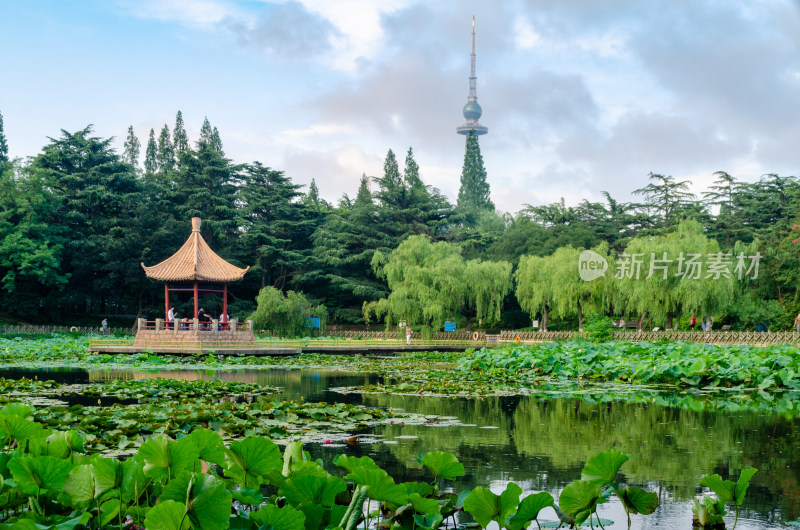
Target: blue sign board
[449,326]
[312,322]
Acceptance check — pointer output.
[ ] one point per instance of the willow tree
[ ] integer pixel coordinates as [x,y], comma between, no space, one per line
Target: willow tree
[574,295]
[681,272]
[534,288]
[432,282]
[554,284]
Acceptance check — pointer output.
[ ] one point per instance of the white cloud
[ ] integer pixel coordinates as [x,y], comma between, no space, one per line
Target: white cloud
[193,13]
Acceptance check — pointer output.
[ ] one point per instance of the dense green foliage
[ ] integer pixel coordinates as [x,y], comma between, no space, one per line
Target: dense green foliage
[286,315]
[675,363]
[78,218]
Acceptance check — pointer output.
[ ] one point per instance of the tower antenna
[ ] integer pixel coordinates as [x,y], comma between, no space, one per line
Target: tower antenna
[472,111]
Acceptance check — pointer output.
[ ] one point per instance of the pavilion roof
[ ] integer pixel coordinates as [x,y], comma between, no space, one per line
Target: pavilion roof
[195,261]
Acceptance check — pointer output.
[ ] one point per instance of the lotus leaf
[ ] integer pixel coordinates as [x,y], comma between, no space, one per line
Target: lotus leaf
[285,518]
[529,509]
[485,506]
[39,473]
[249,460]
[311,489]
[380,486]
[165,458]
[167,515]
[442,465]
[578,499]
[603,468]
[636,500]
[207,500]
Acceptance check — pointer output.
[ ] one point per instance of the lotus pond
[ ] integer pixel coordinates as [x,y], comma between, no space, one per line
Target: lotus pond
[531,416]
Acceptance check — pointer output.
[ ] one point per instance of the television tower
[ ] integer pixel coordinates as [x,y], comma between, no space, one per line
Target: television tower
[472,111]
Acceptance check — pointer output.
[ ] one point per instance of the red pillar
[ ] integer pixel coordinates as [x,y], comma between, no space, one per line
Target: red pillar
[224,305]
[195,299]
[166,302]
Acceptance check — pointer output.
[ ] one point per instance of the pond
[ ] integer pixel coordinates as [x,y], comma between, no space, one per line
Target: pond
[542,444]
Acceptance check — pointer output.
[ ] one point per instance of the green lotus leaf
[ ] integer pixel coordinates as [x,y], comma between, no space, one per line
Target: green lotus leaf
[380,486]
[578,499]
[292,454]
[108,473]
[430,521]
[165,458]
[423,505]
[636,500]
[485,506]
[312,489]
[351,463]
[442,465]
[724,489]
[18,409]
[167,515]
[250,459]
[285,518]
[207,500]
[603,468]
[16,428]
[134,482]
[39,473]
[529,509]
[80,485]
[423,488]
[742,484]
[209,445]
[109,511]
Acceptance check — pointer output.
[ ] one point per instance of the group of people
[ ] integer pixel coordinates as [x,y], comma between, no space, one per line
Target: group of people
[203,318]
[705,325]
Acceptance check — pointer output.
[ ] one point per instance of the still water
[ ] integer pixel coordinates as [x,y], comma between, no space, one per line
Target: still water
[542,444]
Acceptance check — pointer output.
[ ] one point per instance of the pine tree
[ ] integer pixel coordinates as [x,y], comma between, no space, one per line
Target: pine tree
[151,154]
[132,148]
[165,155]
[3,146]
[275,226]
[312,197]
[180,140]
[473,196]
[411,172]
[343,246]
[216,141]
[406,205]
[206,133]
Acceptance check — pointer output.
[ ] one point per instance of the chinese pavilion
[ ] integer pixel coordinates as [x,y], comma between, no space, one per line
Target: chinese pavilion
[195,268]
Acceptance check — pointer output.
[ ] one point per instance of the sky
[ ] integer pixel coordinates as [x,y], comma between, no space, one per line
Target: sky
[579,96]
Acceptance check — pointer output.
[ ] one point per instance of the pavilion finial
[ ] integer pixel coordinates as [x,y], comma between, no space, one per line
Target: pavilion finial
[195,224]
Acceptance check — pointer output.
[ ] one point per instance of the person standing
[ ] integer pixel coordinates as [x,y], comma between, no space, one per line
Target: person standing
[797,323]
[408,334]
[171,316]
[104,323]
[692,322]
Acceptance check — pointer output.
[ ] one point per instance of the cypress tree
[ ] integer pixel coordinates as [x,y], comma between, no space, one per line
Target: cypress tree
[151,154]
[132,148]
[180,140]
[166,153]
[473,195]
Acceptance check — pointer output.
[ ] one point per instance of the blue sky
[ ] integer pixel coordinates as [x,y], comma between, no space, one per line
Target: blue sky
[579,96]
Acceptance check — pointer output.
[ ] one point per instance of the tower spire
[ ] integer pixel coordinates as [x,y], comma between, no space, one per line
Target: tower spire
[472,111]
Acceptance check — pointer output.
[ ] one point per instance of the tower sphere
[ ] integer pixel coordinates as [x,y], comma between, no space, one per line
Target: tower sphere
[472,111]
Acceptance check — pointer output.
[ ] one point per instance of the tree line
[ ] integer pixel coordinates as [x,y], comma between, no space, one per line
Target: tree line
[78,218]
